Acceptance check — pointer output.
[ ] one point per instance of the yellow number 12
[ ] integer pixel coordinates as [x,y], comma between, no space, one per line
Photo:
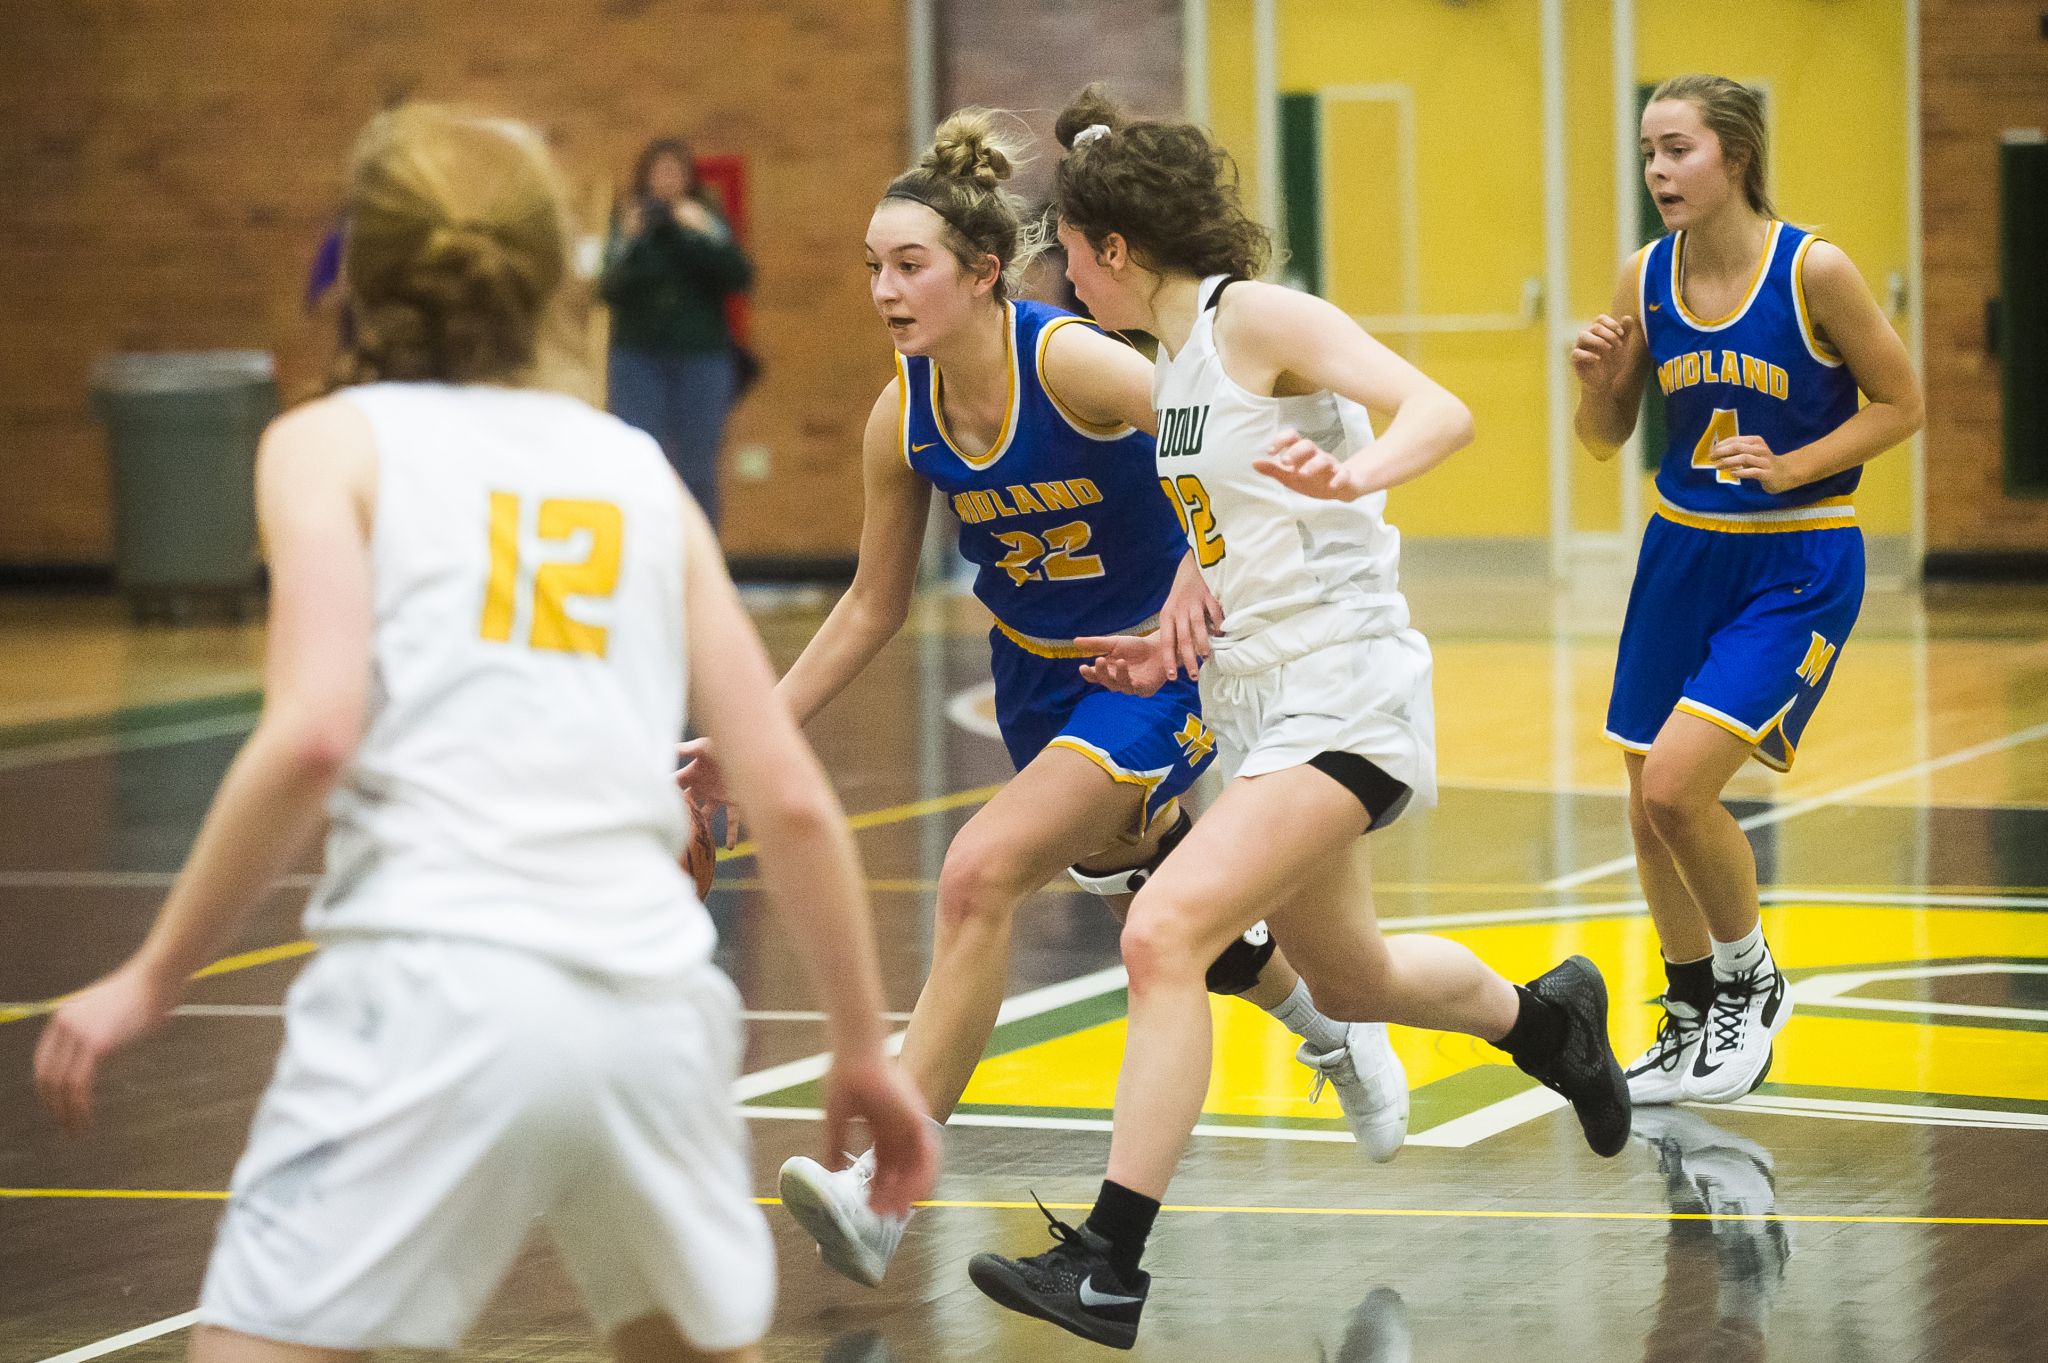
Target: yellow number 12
[596,574]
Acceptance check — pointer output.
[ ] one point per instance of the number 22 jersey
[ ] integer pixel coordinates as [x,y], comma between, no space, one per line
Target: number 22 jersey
[1063,519]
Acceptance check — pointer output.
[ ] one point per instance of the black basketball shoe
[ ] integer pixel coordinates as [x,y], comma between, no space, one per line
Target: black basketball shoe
[1584,1069]
[1071,1285]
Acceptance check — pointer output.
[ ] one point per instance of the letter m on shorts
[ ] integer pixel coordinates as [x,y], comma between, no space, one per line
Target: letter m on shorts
[1818,654]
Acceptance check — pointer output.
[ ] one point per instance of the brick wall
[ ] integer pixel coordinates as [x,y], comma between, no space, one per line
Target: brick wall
[1032,58]
[167,169]
[1984,68]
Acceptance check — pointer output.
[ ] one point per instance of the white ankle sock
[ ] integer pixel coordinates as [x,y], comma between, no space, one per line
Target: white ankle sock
[1735,958]
[1299,1015]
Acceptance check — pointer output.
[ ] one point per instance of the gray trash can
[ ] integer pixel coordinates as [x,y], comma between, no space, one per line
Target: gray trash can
[182,427]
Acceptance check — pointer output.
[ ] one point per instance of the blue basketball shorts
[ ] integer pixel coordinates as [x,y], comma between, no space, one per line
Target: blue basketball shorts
[1157,742]
[1741,629]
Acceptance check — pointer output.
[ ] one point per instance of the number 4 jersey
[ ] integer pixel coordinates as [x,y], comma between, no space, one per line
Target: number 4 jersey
[1761,370]
[1062,519]
[515,781]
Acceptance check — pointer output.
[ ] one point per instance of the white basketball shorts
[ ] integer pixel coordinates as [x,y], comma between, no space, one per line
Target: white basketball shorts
[437,1101]
[1367,696]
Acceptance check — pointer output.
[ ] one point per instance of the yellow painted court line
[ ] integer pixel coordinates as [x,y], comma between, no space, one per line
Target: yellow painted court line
[119,1194]
[226,965]
[248,960]
[875,818]
[267,955]
[1439,1213]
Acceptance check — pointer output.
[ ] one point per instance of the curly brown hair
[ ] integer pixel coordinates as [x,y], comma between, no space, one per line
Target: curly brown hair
[456,243]
[960,177]
[1166,188]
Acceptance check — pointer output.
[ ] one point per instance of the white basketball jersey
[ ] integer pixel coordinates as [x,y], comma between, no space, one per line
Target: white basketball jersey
[1293,572]
[515,780]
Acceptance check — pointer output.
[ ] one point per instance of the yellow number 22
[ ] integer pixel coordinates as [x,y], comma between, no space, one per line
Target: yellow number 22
[596,574]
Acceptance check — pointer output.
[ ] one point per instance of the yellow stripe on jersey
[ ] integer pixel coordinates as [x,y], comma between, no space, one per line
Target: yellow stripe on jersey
[1093,430]
[903,408]
[1066,648]
[1819,349]
[1002,440]
[1829,513]
[1763,267]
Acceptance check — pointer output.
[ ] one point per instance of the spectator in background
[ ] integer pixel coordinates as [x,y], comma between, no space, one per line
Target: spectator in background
[670,264]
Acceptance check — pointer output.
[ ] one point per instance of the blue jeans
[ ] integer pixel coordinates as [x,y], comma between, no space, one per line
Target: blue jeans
[682,401]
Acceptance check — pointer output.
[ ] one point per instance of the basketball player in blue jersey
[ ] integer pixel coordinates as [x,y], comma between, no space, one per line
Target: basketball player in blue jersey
[1032,425]
[1759,336]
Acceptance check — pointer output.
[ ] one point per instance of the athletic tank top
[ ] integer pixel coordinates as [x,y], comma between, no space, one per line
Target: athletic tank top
[1761,370]
[515,778]
[1061,518]
[1294,573]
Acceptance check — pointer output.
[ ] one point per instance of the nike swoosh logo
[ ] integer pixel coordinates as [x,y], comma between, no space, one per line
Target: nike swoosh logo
[1656,307]
[1090,1297]
[1770,1013]
[1701,1069]
[925,446]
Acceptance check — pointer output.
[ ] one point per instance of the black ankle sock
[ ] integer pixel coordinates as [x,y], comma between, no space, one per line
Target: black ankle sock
[1690,983]
[1123,1218]
[1538,1033]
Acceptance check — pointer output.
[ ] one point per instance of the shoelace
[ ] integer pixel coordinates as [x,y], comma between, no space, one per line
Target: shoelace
[1061,1231]
[1671,1038]
[1731,1008]
[1315,1091]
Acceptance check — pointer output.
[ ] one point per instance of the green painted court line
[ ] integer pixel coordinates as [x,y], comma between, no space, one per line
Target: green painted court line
[112,724]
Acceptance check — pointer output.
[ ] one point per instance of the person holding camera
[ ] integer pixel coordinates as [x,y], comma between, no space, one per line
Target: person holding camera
[670,264]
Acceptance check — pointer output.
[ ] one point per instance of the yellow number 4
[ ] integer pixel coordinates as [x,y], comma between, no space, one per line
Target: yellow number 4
[1722,427]
[596,574]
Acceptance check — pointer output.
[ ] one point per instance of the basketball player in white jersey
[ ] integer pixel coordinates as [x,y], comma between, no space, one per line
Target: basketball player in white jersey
[1317,687]
[484,595]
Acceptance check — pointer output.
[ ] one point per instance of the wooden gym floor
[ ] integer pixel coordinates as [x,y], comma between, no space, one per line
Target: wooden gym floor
[1881,1198]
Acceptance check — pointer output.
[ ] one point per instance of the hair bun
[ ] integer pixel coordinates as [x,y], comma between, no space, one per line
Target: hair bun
[1090,109]
[966,147]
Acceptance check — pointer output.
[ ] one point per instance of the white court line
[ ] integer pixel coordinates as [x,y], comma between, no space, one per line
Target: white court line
[1025,1005]
[1842,795]
[133,740]
[1853,1110]
[120,1342]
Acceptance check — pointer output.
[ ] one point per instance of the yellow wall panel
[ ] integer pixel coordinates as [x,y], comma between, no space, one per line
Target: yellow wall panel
[1835,79]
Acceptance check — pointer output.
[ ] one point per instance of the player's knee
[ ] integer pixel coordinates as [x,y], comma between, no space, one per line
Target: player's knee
[976,885]
[1668,798]
[1237,968]
[1157,947]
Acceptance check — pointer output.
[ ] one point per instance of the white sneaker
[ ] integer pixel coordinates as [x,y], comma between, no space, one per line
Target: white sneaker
[1372,1088]
[853,1239]
[1657,1076]
[1735,1051]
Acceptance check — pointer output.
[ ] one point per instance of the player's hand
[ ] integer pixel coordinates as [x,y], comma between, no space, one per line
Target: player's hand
[1134,665]
[1601,354]
[703,780]
[877,1094]
[87,1028]
[1309,469]
[1191,614]
[693,216]
[1746,458]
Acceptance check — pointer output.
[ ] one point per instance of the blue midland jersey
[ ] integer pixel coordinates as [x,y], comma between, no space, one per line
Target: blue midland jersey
[1762,370]
[1064,520]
